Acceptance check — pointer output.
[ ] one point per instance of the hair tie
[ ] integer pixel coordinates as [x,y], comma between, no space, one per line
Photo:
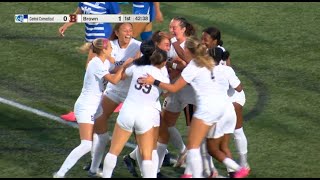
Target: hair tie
[105,43]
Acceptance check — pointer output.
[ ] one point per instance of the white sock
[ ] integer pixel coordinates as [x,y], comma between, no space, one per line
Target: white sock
[139,159]
[176,139]
[109,164]
[188,169]
[194,159]
[147,169]
[99,144]
[155,161]
[206,159]
[161,149]
[231,164]
[212,167]
[74,156]
[133,154]
[241,145]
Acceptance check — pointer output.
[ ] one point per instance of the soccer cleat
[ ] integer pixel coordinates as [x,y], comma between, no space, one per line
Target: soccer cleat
[231,174]
[69,117]
[242,173]
[160,175]
[166,160]
[247,166]
[87,166]
[186,176]
[55,175]
[131,165]
[214,174]
[98,174]
[181,159]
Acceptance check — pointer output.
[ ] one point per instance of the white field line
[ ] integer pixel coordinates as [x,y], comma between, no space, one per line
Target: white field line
[47,115]
[56,118]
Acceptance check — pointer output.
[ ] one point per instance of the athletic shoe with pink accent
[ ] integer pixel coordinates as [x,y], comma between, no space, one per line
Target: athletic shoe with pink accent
[242,173]
[186,176]
[69,117]
[214,173]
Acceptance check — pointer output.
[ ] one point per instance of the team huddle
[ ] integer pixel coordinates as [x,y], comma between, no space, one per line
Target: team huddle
[192,75]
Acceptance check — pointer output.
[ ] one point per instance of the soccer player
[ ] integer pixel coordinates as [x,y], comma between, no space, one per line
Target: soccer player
[211,37]
[88,102]
[160,40]
[219,136]
[125,49]
[174,103]
[92,30]
[145,29]
[212,101]
[139,114]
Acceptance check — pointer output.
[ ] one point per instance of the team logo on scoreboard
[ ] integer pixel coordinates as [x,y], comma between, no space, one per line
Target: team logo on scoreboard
[20,18]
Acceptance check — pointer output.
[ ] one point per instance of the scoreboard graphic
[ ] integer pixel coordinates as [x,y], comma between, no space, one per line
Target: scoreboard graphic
[81,18]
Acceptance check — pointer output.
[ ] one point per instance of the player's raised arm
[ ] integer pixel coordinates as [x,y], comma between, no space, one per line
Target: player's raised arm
[159,16]
[65,26]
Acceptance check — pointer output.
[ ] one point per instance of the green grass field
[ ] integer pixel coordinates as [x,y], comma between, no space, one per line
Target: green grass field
[274,48]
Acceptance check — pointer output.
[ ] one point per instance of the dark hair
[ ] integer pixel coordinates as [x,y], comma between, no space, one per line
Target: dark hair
[218,54]
[158,56]
[147,47]
[113,35]
[190,30]
[214,33]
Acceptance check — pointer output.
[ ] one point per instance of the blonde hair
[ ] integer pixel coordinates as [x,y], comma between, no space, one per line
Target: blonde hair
[158,36]
[97,46]
[199,53]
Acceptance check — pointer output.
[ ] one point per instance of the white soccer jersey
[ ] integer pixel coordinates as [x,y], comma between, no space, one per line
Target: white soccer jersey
[211,90]
[92,90]
[175,102]
[172,52]
[235,96]
[201,80]
[140,109]
[224,77]
[164,72]
[140,96]
[121,55]
[93,84]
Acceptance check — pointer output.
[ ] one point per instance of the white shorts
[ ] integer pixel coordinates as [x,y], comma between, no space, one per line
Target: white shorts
[238,97]
[212,112]
[226,124]
[85,113]
[115,95]
[138,120]
[175,102]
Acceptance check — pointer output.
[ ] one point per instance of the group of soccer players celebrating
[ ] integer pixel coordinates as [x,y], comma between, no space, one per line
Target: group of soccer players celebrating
[191,74]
